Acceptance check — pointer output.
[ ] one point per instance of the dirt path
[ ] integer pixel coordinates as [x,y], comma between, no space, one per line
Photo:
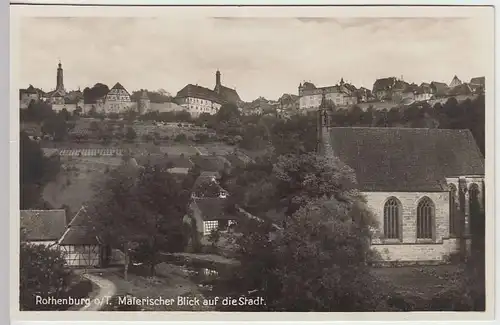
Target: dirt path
[107,289]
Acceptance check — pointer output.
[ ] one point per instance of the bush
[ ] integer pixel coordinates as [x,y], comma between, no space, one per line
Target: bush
[42,273]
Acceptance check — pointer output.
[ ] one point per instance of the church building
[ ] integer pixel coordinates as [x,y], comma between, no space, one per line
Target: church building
[423,185]
[197,99]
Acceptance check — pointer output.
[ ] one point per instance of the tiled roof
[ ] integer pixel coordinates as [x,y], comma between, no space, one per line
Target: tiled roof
[43,225]
[55,93]
[405,159]
[213,209]
[118,86]
[199,92]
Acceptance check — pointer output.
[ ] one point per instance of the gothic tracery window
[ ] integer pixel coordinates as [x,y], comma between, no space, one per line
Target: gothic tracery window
[392,219]
[425,219]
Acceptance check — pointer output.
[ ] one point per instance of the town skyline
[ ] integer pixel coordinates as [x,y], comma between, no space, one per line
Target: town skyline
[230,44]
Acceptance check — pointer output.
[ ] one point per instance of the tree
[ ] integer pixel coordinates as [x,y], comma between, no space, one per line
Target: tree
[145,206]
[227,112]
[319,260]
[35,171]
[56,126]
[130,135]
[91,95]
[42,273]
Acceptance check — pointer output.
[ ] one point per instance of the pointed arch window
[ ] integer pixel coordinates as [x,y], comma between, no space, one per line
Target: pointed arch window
[425,219]
[392,219]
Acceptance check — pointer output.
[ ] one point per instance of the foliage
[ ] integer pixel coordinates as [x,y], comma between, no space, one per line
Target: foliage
[153,96]
[141,205]
[130,135]
[91,95]
[35,171]
[42,273]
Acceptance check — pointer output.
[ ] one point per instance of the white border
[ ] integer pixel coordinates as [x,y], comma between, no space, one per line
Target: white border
[17,12]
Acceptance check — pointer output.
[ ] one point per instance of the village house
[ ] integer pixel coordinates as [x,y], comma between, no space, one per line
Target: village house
[461,89]
[209,214]
[439,89]
[420,184]
[28,96]
[342,94]
[423,92]
[80,245]
[42,227]
[117,100]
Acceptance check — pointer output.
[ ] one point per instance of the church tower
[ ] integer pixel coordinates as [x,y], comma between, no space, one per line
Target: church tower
[60,81]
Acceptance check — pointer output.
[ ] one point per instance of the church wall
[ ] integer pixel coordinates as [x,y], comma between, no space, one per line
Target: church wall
[411,249]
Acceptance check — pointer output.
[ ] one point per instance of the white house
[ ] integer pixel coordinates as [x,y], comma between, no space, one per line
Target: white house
[42,227]
[210,214]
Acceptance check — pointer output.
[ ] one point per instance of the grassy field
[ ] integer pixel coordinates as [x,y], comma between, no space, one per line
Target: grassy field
[424,281]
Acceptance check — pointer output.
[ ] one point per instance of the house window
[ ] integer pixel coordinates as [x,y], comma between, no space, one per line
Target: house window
[392,218]
[210,225]
[425,219]
[454,213]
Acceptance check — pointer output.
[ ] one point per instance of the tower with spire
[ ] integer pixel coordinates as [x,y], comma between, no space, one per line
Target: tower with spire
[217,82]
[60,78]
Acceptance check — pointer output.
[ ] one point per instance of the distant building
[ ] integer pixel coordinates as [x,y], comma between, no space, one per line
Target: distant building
[42,227]
[117,100]
[342,94]
[477,84]
[197,99]
[439,89]
[28,96]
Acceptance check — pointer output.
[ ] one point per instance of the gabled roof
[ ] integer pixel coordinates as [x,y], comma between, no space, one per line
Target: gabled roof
[439,88]
[118,86]
[406,159]
[43,225]
[56,93]
[455,80]
[213,209]
[80,231]
[199,92]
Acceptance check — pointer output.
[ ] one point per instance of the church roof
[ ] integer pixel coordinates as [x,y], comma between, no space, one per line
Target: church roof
[229,95]
[406,159]
[199,92]
[56,93]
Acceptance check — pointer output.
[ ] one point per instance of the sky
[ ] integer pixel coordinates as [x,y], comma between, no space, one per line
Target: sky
[256,56]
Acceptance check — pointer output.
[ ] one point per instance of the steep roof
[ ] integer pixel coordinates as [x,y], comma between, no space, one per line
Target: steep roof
[405,159]
[455,80]
[79,231]
[43,225]
[213,209]
[118,86]
[199,92]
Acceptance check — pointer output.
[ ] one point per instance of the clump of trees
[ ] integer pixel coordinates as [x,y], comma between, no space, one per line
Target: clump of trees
[35,172]
[141,206]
